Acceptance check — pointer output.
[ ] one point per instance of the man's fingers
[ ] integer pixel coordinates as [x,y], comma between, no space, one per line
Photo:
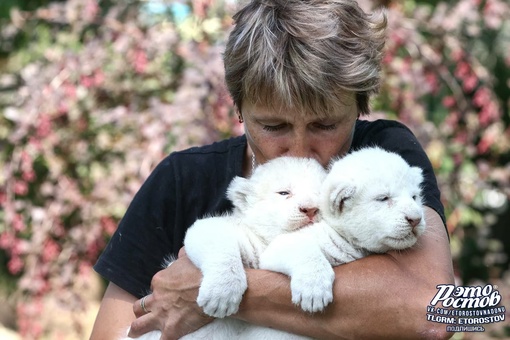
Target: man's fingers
[142,306]
[142,325]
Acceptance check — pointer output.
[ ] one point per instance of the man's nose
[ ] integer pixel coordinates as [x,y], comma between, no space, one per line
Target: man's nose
[300,147]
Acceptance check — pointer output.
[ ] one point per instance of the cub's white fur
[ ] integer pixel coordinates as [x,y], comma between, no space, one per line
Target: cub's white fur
[369,203]
[280,197]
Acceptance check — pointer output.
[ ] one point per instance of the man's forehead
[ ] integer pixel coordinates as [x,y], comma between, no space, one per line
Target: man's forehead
[344,105]
[291,114]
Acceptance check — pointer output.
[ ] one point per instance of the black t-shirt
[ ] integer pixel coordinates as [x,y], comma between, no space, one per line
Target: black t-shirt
[191,184]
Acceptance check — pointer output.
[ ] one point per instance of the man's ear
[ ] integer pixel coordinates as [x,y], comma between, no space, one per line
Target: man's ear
[339,194]
[238,192]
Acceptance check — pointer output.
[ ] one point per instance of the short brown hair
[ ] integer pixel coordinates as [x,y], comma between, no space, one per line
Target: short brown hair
[304,53]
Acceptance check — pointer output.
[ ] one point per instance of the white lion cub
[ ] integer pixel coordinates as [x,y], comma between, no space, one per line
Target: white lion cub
[370,203]
[280,197]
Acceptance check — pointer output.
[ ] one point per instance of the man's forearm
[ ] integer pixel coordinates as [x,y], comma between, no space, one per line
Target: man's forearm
[381,296]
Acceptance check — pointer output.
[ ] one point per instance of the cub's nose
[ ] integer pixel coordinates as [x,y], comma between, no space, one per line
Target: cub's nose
[310,212]
[413,221]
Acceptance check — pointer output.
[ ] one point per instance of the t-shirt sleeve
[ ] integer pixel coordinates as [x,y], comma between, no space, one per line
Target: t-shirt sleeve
[137,249]
[396,137]
[186,185]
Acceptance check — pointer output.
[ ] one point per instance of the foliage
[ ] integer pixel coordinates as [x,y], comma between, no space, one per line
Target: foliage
[447,77]
[96,93]
[99,98]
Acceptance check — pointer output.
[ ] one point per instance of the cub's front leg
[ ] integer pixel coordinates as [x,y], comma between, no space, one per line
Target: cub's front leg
[213,246]
[299,255]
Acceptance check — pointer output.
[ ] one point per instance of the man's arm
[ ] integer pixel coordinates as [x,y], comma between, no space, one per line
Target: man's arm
[380,296]
[115,314]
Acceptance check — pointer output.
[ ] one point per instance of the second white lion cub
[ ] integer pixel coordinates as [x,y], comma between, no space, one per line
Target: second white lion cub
[280,197]
[370,203]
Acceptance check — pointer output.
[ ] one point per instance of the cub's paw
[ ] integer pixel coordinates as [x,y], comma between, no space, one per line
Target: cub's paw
[220,294]
[313,290]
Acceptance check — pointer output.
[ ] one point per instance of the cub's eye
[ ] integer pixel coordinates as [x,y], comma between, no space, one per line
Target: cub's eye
[383,198]
[283,193]
[415,197]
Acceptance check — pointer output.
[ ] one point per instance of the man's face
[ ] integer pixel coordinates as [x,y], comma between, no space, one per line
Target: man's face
[273,132]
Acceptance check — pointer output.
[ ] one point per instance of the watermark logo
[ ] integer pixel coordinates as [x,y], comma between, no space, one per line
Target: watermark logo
[466,308]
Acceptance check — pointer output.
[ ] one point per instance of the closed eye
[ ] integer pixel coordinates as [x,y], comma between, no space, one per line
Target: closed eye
[283,193]
[383,198]
[273,128]
[325,127]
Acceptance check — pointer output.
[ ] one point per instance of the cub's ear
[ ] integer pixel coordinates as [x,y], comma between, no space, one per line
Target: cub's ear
[238,192]
[339,194]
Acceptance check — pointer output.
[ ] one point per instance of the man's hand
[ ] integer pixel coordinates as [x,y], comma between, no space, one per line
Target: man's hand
[172,306]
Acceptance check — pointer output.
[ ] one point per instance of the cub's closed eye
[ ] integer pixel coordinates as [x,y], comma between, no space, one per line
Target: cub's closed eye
[383,198]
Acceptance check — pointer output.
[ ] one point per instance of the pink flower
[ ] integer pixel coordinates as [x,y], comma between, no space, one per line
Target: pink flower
[43,126]
[84,269]
[140,61]
[485,144]
[87,81]
[388,58]
[99,77]
[18,224]
[94,248]
[482,97]
[51,250]
[15,265]
[431,79]
[470,83]
[457,55]
[488,113]
[19,247]
[463,69]
[108,225]
[28,176]
[20,188]
[29,314]
[90,10]
[58,229]
[6,240]
[69,90]
[35,143]
[493,14]
[63,108]
[25,157]
[449,101]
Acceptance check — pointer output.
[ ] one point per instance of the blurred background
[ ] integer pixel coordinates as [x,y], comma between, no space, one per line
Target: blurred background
[93,94]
